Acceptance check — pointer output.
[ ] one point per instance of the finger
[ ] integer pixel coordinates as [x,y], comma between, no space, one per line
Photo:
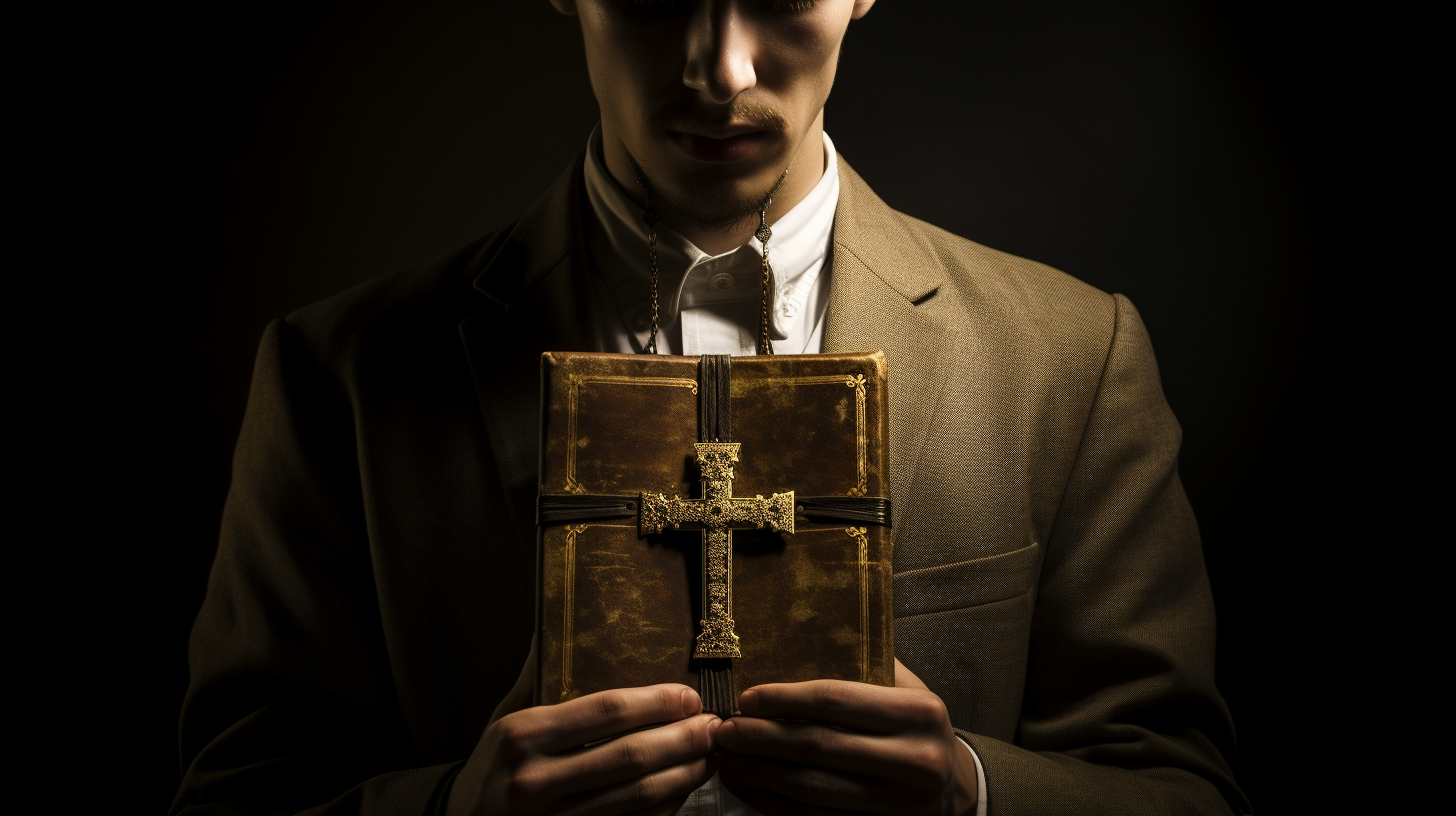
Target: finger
[575,723]
[665,785]
[874,756]
[856,706]
[904,678]
[805,784]
[631,756]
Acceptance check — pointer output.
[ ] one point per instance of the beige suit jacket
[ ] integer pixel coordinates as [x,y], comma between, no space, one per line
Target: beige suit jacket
[371,599]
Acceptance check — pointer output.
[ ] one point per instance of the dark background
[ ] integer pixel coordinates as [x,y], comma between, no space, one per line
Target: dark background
[278,154]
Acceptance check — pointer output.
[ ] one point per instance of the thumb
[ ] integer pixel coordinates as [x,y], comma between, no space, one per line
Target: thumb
[904,678]
[520,694]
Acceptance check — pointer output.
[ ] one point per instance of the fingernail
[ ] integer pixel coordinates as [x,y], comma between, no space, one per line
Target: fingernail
[747,699]
[690,703]
[713,726]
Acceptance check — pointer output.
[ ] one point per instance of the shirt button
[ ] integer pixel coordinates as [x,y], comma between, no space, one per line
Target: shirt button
[721,281]
[788,310]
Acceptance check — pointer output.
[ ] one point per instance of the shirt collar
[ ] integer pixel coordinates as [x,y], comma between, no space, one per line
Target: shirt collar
[689,277]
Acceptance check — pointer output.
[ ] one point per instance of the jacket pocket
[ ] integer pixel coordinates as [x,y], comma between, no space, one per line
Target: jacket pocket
[967,583]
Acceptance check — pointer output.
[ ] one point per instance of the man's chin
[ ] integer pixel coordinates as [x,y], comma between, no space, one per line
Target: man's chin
[715,199]
[689,212]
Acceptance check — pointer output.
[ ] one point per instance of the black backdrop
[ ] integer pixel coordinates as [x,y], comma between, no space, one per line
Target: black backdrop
[1157,150]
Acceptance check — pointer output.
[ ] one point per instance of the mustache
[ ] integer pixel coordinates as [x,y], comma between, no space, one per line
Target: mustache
[738,112]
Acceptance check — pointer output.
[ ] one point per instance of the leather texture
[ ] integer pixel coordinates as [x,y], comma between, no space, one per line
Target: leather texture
[619,609]
[373,593]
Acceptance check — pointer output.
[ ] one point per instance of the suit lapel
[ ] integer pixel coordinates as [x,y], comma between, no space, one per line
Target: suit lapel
[536,284]
[884,295]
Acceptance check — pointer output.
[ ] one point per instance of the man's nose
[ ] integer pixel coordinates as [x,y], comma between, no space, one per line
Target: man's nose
[720,47]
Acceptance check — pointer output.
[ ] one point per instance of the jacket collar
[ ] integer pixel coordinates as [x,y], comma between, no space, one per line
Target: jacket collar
[548,237]
[878,238]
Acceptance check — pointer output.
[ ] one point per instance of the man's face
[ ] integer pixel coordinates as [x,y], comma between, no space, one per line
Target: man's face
[712,100]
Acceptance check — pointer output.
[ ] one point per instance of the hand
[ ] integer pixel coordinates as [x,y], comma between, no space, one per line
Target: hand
[831,746]
[579,757]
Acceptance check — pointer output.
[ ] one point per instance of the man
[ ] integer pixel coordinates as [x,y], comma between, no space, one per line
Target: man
[371,601]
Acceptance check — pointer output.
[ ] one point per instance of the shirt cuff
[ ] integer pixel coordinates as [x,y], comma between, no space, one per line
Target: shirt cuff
[980,780]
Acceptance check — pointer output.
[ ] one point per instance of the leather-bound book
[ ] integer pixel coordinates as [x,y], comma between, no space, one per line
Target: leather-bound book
[713,521]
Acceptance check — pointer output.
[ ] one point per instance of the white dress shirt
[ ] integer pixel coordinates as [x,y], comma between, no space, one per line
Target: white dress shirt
[709,304]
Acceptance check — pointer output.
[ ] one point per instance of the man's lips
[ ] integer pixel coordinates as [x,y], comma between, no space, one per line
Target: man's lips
[724,146]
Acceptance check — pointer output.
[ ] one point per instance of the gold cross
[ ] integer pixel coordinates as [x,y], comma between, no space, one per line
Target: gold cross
[718,512]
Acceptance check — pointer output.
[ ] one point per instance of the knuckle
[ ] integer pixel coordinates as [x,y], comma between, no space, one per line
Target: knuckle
[523,788]
[612,706]
[824,784]
[808,782]
[818,743]
[516,734]
[929,763]
[929,709]
[646,791]
[633,755]
[834,696]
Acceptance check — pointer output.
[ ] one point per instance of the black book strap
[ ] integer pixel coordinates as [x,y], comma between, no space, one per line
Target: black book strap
[852,509]
[715,674]
[564,508]
[714,419]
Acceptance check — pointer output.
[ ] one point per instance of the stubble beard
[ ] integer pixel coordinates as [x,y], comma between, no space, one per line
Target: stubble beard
[693,208]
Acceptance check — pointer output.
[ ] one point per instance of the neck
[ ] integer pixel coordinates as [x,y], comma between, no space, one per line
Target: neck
[805,169]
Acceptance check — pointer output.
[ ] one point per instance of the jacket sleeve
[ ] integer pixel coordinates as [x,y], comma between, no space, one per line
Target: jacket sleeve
[290,702]
[1120,714]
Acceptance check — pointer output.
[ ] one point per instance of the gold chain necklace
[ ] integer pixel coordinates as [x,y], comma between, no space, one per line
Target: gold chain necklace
[765,345]
[650,216]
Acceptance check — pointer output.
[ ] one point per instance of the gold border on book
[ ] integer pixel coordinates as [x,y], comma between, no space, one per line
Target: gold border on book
[861,438]
[569,570]
[575,382]
[855,381]
[860,537]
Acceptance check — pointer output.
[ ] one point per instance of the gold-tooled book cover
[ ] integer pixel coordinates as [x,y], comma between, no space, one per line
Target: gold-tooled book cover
[772,468]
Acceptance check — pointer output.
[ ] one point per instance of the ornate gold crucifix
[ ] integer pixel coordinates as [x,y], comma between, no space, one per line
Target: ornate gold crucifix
[718,512]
